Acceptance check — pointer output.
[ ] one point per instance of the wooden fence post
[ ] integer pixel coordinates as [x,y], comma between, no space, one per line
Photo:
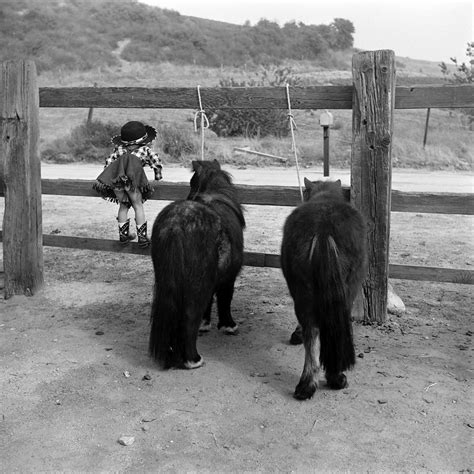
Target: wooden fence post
[373,74]
[425,136]
[20,169]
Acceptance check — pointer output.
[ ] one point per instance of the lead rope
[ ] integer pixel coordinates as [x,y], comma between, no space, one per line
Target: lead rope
[204,121]
[293,146]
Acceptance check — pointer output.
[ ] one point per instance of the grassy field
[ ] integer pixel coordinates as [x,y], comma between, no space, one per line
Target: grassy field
[450,142]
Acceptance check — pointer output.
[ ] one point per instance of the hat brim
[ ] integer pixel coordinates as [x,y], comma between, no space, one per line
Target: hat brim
[150,136]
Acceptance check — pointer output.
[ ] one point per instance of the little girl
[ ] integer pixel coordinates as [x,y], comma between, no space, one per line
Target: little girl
[124,181]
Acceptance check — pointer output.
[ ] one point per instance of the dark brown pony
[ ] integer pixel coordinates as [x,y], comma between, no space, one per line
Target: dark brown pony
[197,251]
[324,261]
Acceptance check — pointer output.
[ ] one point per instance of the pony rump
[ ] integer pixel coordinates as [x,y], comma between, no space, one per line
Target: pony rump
[197,251]
[182,235]
[324,259]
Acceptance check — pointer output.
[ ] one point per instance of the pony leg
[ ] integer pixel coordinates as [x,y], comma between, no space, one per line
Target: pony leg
[309,378]
[297,336]
[224,299]
[336,381]
[191,357]
[206,319]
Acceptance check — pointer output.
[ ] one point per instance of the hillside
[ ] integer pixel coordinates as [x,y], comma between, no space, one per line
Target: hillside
[83,34]
[126,43]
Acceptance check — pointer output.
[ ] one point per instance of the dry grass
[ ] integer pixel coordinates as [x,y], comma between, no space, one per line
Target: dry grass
[450,142]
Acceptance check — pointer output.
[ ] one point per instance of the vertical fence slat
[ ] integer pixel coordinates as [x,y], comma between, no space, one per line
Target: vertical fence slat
[20,169]
[373,75]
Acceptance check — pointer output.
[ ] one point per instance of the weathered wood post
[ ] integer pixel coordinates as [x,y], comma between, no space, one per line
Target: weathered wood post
[20,170]
[373,74]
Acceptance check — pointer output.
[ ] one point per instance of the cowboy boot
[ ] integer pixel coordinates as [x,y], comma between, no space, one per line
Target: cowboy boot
[124,233]
[143,240]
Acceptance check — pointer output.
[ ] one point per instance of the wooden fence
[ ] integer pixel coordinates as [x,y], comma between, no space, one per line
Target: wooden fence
[372,98]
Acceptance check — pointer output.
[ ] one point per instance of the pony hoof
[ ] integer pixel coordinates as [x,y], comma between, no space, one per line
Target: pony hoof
[296,338]
[305,391]
[205,326]
[336,382]
[230,330]
[189,364]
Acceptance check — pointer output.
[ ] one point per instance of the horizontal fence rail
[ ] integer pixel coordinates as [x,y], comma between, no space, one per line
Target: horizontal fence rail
[440,203]
[310,97]
[256,259]
[430,203]
[313,97]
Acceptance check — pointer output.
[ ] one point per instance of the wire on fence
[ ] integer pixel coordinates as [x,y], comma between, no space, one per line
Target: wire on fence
[293,139]
[204,121]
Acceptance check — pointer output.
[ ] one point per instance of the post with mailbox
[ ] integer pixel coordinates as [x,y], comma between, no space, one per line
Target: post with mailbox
[326,120]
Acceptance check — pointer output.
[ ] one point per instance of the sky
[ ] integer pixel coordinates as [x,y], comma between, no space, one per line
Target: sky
[433,30]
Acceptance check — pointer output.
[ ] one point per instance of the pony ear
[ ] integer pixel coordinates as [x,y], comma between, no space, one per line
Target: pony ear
[196,165]
[338,182]
[217,165]
[308,184]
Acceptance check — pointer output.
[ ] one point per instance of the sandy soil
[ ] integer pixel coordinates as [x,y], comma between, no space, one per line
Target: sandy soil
[76,376]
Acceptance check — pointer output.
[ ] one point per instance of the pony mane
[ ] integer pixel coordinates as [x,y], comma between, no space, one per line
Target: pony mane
[233,204]
[216,185]
[220,180]
[322,189]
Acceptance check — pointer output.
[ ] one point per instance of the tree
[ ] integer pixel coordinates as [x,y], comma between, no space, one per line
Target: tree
[342,33]
[464,75]
[465,72]
[311,43]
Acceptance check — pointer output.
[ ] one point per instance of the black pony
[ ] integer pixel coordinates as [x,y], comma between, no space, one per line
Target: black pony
[197,251]
[324,261]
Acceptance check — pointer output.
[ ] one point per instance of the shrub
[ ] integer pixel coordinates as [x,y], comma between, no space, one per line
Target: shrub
[175,142]
[89,142]
[252,123]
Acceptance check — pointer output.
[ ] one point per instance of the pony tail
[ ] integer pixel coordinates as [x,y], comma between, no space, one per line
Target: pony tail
[166,344]
[162,343]
[333,316]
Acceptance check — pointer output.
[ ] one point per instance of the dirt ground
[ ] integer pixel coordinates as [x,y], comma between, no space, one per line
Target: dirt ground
[76,376]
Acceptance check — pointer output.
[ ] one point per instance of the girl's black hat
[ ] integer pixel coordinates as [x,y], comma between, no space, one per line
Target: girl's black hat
[135,133]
